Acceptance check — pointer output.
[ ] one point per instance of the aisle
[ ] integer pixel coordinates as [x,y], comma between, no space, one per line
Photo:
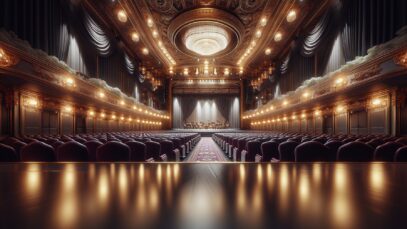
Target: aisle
[205,151]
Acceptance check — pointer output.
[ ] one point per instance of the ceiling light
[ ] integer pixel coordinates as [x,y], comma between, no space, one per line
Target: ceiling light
[263,21]
[122,16]
[150,22]
[185,71]
[267,51]
[206,40]
[278,37]
[258,33]
[291,16]
[226,72]
[145,51]
[135,37]
[155,34]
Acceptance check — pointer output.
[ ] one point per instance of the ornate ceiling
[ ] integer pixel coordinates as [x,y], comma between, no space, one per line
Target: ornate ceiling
[249,34]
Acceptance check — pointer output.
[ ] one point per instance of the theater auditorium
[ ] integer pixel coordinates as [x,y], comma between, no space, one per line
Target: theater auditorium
[203,114]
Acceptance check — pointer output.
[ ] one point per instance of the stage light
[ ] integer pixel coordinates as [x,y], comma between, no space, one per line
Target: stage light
[291,16]
[122,16]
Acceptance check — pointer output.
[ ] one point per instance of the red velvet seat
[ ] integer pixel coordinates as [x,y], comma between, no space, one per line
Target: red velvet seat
[137,150]
[269,150]
[311,151]
[113,152]
[386,151]
[72,151]
[7,153]
[38,152]
[286,150]
[355,152]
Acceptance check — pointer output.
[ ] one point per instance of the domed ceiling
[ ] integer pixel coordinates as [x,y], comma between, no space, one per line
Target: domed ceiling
[216,39]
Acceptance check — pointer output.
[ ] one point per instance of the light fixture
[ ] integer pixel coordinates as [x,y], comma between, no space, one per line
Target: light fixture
[340,109]
[122,16]
[303,115]
[91,113]
[278,37]
[122,118]
[305,94]
[70,82]
[285,103]
[122,102]
[340,81]
[258,33]
[263,21]
[291,16]
[150,22]
[377,102]
[101,94]
[267,51]
[206,40]
[113,116]
[317,113]
[185,71]
[293,117]
[226,72]
[155,33]
[32,102]
[135,37]
[102,115]
[145,51]
[67,109]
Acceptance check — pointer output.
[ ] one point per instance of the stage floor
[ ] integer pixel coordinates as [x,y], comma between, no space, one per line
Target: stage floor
[207,132]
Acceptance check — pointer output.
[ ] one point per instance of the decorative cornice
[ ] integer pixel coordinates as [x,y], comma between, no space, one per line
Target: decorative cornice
[6,59]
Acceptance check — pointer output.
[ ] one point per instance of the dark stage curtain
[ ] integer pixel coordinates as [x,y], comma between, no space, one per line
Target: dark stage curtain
[346,31]
[63,29]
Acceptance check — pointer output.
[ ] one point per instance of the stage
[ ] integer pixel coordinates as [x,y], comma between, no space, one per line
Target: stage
[206,132]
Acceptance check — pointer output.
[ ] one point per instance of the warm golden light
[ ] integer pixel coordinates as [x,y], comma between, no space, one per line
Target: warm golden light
[305,94]
[267,51]
[285,103]
[258,33]
[91,113]
[101,94]
[278,37]
[102,115]
[122,16]
[135,37]
[291,16]
[317,113]
[67,109]
[70,82]
[340,109]
[145,51]
[122,102]
[150,22]
[263,21]
[32,102]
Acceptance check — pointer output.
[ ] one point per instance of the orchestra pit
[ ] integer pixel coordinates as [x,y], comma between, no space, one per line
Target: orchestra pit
[203,114]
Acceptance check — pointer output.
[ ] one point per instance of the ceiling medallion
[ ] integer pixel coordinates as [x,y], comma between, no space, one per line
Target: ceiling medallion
[205,32]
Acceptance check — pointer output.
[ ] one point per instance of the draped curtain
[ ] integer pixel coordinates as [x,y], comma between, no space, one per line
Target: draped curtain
[345,31]
[206,109]
[66,31]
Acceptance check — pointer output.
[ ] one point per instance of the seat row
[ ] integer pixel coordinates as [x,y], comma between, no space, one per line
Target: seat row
[269,146]
[107,147]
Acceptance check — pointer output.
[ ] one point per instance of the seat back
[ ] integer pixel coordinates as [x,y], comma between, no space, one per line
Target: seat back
[286,150]
[311,151]
[113,152]
[386,151]
[92,146]
[38,152]
[253,148]
[355,152]
[167,148]
[7,153]
[333,147]
[269,150]
[137,150]
[72,151]
[401,154]
[153,150]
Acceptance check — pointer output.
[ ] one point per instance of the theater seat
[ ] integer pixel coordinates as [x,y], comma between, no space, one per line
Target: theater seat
[7,153]
[137,151]
[72,151]
[269,151]
[113,152]
[355,152]
[167,148]
[253,149]
[310,152]
[153,150]
[38,152]
[386,151]
[286,150]
[333,147]
[92,146]
[401,154]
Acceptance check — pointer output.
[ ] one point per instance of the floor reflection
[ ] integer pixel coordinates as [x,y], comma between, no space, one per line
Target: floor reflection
[204,195]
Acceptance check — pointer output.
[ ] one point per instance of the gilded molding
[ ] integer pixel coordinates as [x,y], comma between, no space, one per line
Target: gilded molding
[7,60]
[401,59]
[360,76]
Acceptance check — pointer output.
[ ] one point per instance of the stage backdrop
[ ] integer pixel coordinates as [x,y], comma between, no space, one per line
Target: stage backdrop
[206,109]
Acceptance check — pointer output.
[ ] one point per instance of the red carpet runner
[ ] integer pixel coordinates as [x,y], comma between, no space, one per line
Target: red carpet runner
[205,151]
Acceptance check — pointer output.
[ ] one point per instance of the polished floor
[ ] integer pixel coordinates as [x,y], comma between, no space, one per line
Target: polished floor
[203,195]
[206,151]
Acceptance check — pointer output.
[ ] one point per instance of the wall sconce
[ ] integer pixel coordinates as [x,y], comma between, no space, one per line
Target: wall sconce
[113,117]
[91,113]
[67,109]
[340,109]
[317,113]
[303,115]
[378,102]
[122,102]
[122,16]
[340,81]
[101,94]
[32,102]
[102,115]
[69,82]
[285,103]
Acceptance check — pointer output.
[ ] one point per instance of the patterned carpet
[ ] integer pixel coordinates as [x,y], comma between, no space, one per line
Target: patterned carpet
[205,151]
